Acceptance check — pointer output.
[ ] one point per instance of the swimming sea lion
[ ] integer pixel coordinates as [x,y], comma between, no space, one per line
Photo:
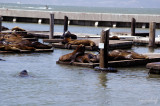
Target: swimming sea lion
[23,73]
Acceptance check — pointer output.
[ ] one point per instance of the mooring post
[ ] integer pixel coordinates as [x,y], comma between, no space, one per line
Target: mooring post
[104,46]
[152,28]
[133,26]
[51,26]
[65,24]
[0,23]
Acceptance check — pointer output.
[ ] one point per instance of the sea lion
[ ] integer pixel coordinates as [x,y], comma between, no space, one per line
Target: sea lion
[86,58]
[16,43]
[68,36]
[84,42]
[23,73]
[68,57]
[114,38]
[125,55]
[39,45]
[16,28]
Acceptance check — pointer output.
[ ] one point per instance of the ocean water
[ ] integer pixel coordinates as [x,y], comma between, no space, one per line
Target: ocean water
[81,9]
[52,84]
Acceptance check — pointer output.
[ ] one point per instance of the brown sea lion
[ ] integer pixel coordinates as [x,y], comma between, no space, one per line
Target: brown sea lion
[16,28]
[114,38]
[68,57]
[39,45]
[86,58]
[84,42]
[125,55]
[16,43]
[68,36]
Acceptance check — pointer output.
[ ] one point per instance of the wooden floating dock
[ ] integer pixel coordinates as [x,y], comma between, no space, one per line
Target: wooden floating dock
[145,41]
[153,57]
[113,44]
[154,67]
[28,51]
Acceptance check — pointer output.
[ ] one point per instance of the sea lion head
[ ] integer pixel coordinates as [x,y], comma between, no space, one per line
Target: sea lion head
[23,73]
[80,48]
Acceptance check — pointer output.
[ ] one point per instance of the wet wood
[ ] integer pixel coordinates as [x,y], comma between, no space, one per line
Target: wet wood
[28,51]
[65,24]
[145,40]
[52,40]
[104,41]
[133,26]
[154,65]
[51,26]
[152,28]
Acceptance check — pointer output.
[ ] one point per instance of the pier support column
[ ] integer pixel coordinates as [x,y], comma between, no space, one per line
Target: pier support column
[104,47]
[96,24]
[14,19]
[51,26]
[114,25]
[39,21]
[65,24]
[0,23]
[144,26]
[133,26]
[152,28]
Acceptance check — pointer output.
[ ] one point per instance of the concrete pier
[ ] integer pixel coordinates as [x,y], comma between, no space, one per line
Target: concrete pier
[80,18]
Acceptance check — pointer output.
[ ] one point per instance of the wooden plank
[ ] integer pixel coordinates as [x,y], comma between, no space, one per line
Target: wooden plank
[28,51]
[30,39]
[52,40]
[153,65]
[146,41]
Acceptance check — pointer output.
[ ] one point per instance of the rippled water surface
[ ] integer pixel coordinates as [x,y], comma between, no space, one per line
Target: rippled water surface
[52,84]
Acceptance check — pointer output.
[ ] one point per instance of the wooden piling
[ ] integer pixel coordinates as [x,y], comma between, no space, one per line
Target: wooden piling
[133,26]
[0,23]
[65,24]
[152,28]
[104,46]
[51,26]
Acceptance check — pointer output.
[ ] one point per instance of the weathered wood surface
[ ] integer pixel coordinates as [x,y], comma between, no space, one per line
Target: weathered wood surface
[52,40]
[28,51]
[145,40]
[153,57]
[153,65]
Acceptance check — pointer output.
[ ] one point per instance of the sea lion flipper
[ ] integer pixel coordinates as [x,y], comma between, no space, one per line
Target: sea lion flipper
[73,58]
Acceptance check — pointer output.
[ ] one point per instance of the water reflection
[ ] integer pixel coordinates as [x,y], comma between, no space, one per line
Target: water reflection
[103,79]
[153,76]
